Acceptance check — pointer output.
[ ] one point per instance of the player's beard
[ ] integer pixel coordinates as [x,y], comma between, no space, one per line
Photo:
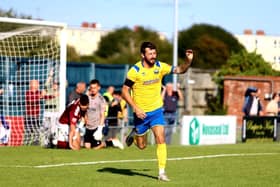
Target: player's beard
[150,62]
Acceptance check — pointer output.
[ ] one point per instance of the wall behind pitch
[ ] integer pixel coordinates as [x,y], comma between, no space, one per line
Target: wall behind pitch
[107,74]
[235,87]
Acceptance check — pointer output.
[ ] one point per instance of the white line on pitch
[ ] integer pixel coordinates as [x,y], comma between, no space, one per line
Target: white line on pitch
[139,160]
[151,160]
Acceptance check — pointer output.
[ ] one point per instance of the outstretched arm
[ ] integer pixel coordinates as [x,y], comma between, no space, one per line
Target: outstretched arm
[185,66]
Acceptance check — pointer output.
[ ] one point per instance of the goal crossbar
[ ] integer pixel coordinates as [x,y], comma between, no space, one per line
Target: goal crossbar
[32,22]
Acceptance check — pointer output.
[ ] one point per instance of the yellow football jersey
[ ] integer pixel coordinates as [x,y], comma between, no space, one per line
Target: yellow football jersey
[146,90]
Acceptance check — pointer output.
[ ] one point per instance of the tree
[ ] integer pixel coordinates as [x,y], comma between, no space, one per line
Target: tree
[242,63]
[212,45]
[72,55]
[4,27]
[210,57]
[123,46]
[12,14]
[113,43]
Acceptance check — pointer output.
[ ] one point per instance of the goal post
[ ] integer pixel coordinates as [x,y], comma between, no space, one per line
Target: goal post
[32,78]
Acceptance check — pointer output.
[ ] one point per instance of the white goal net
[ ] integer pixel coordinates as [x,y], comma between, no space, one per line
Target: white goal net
[32,79]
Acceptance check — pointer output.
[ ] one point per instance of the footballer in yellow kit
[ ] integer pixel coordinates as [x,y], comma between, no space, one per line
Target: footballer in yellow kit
[142,91]
[147,84]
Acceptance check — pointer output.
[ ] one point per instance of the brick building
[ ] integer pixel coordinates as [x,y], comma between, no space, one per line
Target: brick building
[235,87]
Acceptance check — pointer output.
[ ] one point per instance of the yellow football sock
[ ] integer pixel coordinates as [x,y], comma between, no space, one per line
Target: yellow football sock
[161,156]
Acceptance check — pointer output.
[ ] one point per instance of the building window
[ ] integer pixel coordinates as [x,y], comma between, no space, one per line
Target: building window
[275,43]
[274,58]
[256,42]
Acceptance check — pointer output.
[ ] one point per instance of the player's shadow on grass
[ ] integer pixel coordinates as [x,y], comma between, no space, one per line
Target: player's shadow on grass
[128,172]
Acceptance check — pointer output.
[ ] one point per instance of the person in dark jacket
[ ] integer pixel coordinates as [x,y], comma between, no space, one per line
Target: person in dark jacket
[252,105]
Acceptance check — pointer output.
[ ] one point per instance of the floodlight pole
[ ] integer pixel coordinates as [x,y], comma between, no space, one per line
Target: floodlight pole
[175,43]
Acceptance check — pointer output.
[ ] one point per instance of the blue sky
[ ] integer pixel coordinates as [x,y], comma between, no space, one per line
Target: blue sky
[232,15]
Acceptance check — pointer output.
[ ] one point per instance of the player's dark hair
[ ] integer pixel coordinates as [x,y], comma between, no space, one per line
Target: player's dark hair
[95,81]
[84,100]
[145,45]
[117,92]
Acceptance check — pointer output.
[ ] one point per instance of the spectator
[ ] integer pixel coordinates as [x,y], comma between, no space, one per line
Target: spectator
[33,98]
[96,118]
[52,89]
[122,115]
[170,99]
[108,95]
[4,126]
[5,131]
[112,120]
[73,115]
[77,92]
[272,108]
[114,109]
[51,113]
[252,105]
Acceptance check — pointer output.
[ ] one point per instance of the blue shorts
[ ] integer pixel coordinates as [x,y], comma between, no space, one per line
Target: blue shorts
[152,119]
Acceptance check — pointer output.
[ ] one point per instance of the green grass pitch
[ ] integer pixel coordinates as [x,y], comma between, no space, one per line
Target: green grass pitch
[248,164]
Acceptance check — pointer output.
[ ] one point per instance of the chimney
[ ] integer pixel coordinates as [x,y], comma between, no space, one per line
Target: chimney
[260,32]
[248,31]
[136,28]
[93,25]
[85,24]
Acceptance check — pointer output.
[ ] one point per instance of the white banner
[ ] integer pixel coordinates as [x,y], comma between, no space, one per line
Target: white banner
[208,130]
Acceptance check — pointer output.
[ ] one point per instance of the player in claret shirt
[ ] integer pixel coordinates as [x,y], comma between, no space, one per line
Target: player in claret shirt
[68,129]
